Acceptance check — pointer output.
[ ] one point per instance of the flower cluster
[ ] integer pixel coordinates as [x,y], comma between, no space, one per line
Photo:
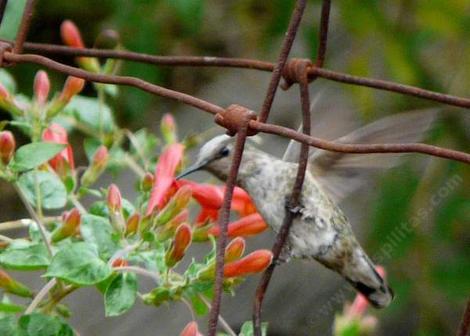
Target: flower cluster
[114,241]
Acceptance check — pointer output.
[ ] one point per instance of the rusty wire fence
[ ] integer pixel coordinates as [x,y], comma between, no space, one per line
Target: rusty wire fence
[242,122]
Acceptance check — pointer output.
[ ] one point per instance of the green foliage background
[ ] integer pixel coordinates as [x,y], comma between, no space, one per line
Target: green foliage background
[417,42]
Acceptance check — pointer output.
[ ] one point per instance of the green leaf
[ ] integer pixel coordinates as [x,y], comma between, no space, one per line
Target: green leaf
[247,329]
[10,308]
[34,154]
[87,111]
[8,326]
[121,294]
[7,80]
[99,232]
[25,256]
[43,325]
[11,19]
[51,189]
[79,264]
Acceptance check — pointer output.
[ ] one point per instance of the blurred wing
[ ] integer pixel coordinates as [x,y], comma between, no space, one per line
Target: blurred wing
[332,116]
[340,174]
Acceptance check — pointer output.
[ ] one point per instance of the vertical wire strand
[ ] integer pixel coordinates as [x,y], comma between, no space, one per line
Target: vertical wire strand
[223,224]
[293,202]
[24,26]
[284,54]
[323,35]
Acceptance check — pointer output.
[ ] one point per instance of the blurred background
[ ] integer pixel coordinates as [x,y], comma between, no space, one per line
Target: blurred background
[417,42]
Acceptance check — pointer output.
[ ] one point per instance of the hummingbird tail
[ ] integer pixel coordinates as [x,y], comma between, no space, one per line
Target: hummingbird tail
[365,279]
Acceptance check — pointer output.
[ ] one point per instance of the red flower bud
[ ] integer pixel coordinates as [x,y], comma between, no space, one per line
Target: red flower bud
[176,204]
[132,225]
[97,166]
[191,329]
[119,262]
[254,262]
[100,158]
[179,245]
[246,226]
[71,35]
[114,198]
[70,226]
[168,128]
[234,249]
[72,87]
[42,86]
[63,162]
[10,285]
[147,182]
[7,146]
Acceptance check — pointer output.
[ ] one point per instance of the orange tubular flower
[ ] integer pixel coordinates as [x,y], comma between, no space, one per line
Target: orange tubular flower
[42,86]
[211,197]
[179,245]
[63,162]
[246,226]
[254,262]
[72,87]
[191,329]
[165,176]
[7,146]
[71,36]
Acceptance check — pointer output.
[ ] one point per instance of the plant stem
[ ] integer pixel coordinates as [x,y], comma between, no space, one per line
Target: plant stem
[40,296]
[35,217]
[134,166]
[222,321]
[23,223]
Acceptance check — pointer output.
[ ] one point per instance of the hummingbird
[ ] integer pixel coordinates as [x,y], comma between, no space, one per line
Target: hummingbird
[320,231]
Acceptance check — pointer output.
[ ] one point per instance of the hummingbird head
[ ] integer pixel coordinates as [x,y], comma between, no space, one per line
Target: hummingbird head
[214,156]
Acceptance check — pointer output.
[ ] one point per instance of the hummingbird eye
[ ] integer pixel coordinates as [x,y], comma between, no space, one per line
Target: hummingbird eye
[224,152]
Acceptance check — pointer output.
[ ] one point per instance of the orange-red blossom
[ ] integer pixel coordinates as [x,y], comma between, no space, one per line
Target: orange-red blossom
[254,262]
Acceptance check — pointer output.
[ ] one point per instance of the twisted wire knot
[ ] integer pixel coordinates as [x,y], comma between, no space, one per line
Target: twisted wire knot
[296,71]
[234,117]
[4,47]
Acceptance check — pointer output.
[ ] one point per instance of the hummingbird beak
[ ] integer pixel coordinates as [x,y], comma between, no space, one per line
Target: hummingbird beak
[191,169]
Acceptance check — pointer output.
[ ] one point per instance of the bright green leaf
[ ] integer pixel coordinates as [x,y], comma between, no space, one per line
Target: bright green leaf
[43,325]
[25,256]
[34,154]
[79,263]
[99,232]
[121,294]
[8,326]
[51,189]
[10,308]
[87,110]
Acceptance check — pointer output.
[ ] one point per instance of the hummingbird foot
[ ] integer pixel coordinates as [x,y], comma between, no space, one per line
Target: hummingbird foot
[295,210]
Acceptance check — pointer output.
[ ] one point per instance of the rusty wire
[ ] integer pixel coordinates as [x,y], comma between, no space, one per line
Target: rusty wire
[464,328]
[245,125]
[245,63]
